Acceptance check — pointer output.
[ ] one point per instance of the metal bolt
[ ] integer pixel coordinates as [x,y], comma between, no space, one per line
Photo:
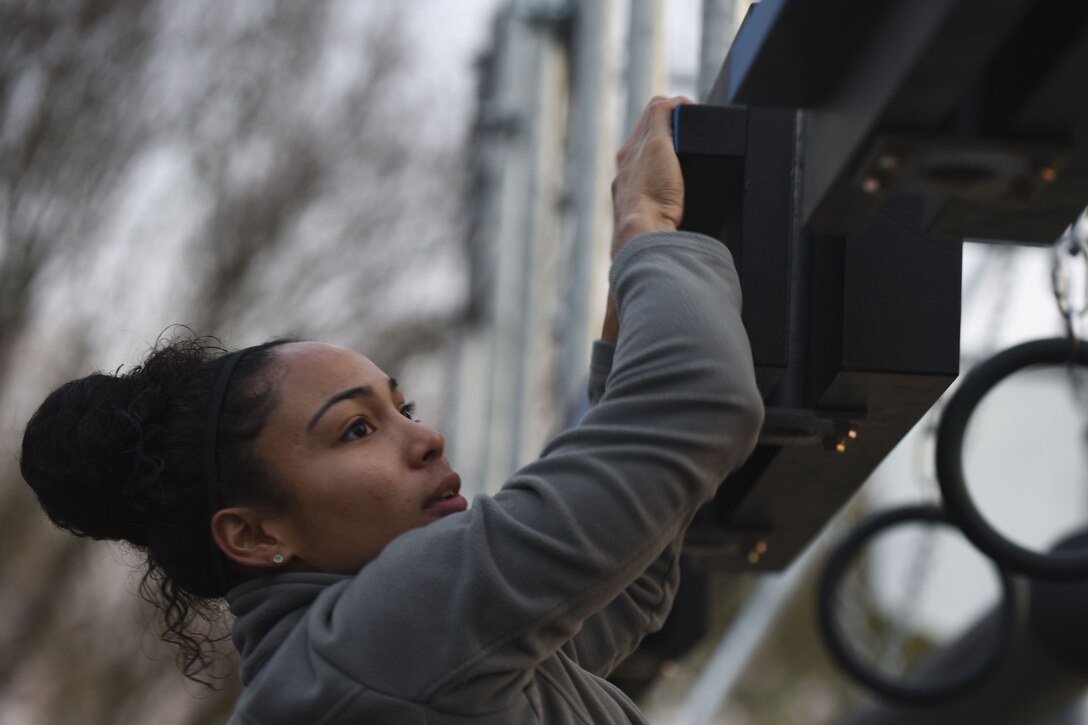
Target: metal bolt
[888,162]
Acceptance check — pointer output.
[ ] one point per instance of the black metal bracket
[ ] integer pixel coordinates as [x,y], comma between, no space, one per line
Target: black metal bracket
[853,336]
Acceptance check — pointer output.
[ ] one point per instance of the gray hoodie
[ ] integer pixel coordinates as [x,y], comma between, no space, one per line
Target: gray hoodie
[515,610]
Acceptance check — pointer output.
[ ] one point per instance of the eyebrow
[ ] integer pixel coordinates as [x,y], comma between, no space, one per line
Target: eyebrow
[361,391]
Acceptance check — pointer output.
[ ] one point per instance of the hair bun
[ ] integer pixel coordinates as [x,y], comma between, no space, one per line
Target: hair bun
[83,454]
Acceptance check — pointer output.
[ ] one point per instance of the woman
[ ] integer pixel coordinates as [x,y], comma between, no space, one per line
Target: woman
[290,479]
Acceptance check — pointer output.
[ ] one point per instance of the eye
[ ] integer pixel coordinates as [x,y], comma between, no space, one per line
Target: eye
[359,428]
[409,411]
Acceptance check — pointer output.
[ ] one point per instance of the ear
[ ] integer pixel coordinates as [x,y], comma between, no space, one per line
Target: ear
[243,534]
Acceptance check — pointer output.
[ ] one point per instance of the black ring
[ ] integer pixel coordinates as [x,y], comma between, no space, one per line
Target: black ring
[917,691]
[961,508]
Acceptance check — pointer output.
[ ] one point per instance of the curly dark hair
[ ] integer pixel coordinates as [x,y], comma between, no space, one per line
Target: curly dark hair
[120,457]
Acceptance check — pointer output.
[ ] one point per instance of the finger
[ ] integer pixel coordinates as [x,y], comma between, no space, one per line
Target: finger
[662,112]
[645,120]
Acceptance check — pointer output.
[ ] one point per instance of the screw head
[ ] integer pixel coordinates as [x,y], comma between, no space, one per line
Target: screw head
[888,162]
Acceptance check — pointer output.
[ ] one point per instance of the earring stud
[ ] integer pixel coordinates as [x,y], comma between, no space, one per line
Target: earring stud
[278,559]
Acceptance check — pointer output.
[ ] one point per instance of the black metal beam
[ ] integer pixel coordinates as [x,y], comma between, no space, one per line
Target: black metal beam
[793,54]
[879,343]
[976,104]
[740,165]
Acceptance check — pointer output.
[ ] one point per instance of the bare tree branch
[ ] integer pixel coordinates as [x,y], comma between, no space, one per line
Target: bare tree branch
[316,201]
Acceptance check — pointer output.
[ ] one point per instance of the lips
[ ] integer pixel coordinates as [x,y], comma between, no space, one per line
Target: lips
[446,499]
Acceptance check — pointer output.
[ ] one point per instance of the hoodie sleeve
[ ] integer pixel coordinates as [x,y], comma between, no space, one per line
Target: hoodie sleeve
[611,634]
[462,610]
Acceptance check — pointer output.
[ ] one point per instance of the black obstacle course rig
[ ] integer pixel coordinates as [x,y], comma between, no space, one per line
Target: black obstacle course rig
[845,152]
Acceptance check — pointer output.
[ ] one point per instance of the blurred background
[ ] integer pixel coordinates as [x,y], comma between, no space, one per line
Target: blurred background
[426,182]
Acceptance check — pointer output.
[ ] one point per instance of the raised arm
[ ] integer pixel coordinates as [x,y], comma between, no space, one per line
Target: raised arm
[611,634]
[482,596]
[647,196]
[462,610]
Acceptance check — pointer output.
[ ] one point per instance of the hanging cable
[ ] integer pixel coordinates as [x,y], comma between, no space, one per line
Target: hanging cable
[1070,255]
[1071,249]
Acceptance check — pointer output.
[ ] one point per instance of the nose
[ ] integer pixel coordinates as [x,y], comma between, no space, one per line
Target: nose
[426,445]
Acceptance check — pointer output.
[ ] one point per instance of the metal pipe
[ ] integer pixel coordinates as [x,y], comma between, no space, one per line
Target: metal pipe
[645,76]
[748,630]
[590,155]
[719,25]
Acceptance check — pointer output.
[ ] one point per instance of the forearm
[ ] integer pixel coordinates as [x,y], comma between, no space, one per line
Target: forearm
[610,331]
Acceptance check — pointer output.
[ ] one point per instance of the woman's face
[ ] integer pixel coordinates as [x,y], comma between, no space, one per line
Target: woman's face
[360,471]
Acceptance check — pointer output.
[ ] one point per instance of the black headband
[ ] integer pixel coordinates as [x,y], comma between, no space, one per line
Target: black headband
[211,465]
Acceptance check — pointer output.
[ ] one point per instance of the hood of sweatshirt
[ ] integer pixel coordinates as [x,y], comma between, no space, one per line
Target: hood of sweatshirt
[267,609]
